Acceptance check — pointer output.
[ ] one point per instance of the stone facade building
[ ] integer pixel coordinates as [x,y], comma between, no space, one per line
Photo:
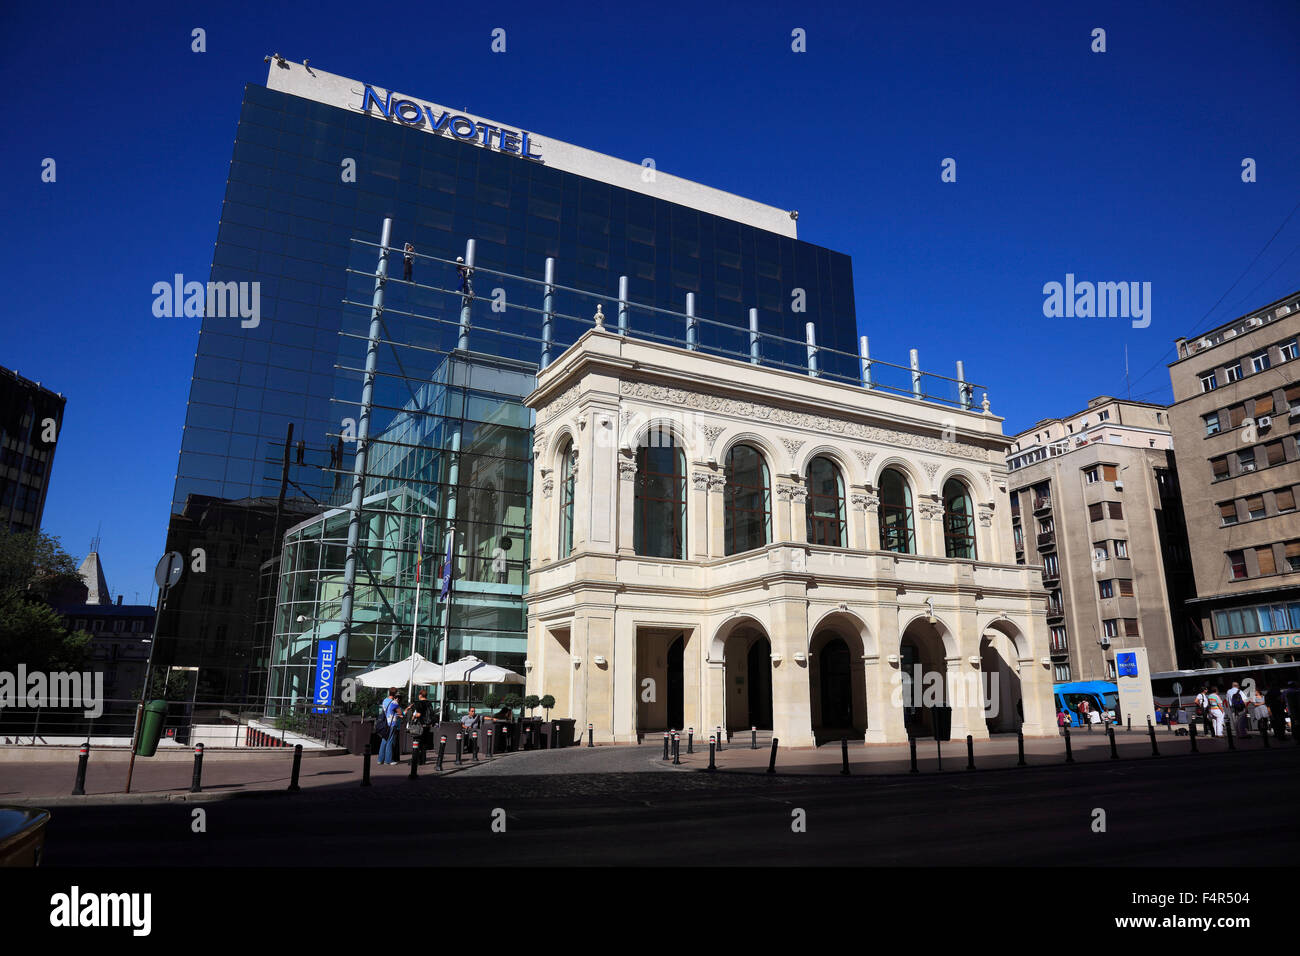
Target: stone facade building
[720,544]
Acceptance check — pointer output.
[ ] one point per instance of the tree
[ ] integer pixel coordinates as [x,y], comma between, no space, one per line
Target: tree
[36,573]
[531,702]
[546,704]
[512,701]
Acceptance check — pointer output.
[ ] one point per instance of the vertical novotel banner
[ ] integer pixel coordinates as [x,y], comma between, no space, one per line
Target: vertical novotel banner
[326,654]
[437,120]
[1133,681]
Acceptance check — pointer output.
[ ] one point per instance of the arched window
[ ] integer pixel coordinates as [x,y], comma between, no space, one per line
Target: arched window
[749,500]
[659,514]
[897,530]
[958,520]
[825,504]
[567,475]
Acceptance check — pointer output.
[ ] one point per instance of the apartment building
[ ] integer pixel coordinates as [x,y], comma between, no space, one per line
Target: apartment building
[1094,501]
[1236,419]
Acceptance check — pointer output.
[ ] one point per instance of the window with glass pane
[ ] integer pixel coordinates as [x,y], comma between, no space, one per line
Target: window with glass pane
[659,515]
[749,500]
[566,500]
[897,529]
[958,520]
[825,504]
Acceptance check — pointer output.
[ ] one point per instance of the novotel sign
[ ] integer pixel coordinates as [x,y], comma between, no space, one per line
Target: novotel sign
[443,122]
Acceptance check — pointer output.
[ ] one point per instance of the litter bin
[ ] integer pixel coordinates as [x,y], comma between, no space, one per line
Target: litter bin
[942,717]
[151,728]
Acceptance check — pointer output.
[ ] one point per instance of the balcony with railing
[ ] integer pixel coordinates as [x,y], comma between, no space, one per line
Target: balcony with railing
[1046,540]
[1055,611]
[1042,504]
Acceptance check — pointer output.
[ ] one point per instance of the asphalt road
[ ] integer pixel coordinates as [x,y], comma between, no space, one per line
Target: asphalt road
[1170,812]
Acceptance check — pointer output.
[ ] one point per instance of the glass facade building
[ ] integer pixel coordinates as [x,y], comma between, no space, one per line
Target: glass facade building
[268,451]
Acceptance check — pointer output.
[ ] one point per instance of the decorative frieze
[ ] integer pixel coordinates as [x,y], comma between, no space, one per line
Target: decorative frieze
[561,404]
[792,446]
[780,416]
[865,501]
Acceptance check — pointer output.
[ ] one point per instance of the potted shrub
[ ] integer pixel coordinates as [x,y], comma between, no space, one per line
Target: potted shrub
[546,703]
[512,701]
[531,702]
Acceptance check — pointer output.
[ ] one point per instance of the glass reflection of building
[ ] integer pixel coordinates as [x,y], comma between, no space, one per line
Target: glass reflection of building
[290,222]
[463,436]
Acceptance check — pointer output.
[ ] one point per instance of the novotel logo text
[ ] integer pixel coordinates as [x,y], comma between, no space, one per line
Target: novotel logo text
[410,113]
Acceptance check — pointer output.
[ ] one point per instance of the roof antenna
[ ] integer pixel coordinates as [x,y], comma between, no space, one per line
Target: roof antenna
[94,542]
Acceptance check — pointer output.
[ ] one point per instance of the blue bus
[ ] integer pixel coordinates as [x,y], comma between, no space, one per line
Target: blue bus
[1102,697]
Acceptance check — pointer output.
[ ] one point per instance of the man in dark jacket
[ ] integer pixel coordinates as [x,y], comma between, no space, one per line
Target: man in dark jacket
[1276,712]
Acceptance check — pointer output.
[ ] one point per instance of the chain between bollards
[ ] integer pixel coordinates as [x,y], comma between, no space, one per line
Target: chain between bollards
[365,767]
[297,766]
[197,785]
[83,757]
[771,763]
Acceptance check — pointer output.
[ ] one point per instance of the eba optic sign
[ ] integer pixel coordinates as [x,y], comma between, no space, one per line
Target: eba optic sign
[443,122]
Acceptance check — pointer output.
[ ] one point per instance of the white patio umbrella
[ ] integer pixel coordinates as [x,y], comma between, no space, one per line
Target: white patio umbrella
[471,670]
[415,669]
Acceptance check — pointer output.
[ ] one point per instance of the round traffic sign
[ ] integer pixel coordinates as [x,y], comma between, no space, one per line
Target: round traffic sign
[169,569]
[1178,688]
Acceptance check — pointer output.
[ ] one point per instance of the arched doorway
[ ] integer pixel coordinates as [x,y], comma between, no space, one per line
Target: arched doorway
[924,676]
[759,674]
[837,686]
[1000,680]
[676,690]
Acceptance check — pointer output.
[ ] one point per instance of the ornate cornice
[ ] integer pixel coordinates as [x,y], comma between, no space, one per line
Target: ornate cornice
[560,404]
[780,416]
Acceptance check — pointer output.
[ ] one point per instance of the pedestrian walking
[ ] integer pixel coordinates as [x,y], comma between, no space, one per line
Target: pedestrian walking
[1215,706]
[1203,709]
[1237,710]
[390,712]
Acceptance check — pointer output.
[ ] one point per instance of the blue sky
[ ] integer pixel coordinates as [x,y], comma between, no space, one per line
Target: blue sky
[1115,166]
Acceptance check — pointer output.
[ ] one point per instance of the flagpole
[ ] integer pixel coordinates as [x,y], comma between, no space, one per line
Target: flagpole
[415,620]
[446,623]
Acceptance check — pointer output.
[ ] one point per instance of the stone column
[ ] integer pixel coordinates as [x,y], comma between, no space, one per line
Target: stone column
[699,520]
[929,530]
[798,510]
[544,504]
[717,528]
[791,704]
[875,674]
[988,543]
[625,536]
[623,677]
[868,504]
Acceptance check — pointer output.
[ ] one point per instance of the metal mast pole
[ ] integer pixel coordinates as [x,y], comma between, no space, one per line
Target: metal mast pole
[415,618]
[363,434]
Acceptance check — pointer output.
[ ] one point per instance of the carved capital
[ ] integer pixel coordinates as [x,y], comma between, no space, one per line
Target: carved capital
[985,516]
[700,480]
[866,502]
[717,482]
[626,469]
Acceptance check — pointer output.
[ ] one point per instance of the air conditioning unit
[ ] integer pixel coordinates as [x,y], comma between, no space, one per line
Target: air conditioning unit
[1119,484]
[1253,322]
[1293,411]
[1105,641]
[1231,333]
[1264,421]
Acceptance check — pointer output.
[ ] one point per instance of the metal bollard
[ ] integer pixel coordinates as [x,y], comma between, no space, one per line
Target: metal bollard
[771,763]
[1088,723]
[970,752]
[442,746]
[713,742]
[1114,750]
[415,759]
[1020,748]
[474,738]
[912,746]
[1263,732]
[690,740]
[677,749]
[1130,723]
[844,754]
[1151,731]
[667,743]
[197,785]
[721,740]
[753,738]
[297,766]
[459,745]
[365,767]
[1069,749]
[1232,741]
[491,743]
[591,736]
[1191,736]
[83,757]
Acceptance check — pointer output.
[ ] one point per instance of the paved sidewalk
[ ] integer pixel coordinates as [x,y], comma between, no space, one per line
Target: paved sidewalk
[230,776]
